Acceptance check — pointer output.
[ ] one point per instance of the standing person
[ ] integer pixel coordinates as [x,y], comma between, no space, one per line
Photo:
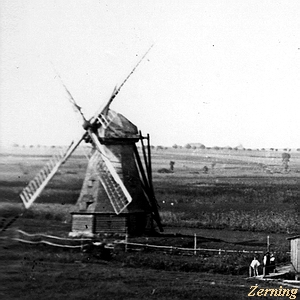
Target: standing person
[272,263]
[267,263]
[253,268]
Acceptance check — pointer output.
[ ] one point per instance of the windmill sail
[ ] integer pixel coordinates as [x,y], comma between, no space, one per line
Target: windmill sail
[105,120]
[38,183]
[103,108]
[111,181]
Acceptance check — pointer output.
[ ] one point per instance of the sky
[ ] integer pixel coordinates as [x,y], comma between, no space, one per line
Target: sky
[221,73]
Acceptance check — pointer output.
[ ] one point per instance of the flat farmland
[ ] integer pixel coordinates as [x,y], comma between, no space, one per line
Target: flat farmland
[239,199]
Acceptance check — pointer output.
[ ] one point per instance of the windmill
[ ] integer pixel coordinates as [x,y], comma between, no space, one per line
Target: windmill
[117,194]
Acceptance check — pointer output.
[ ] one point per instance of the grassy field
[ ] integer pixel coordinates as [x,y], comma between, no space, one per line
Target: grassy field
[40,274]
[244,197]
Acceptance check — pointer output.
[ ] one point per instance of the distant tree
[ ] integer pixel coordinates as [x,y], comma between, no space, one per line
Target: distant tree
[202,147]
[249,149]
[236,148]
[194,147]
[31,146]
[15,145]
[216,148]
[159,148]
[263,149]
[298,149]
[175,146]
[285,161]
[188,146]
[272,149]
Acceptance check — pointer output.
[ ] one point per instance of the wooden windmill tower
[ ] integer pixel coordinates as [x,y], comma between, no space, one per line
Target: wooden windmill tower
[117,195]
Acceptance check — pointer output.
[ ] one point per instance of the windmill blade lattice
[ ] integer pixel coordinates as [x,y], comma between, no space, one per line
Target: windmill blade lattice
[116,191]
[105,120]
[111,181]
[38,183]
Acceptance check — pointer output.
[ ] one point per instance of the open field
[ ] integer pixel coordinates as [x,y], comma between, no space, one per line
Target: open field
[242,198]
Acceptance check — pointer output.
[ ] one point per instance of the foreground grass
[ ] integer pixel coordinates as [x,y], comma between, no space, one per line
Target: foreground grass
[42,272]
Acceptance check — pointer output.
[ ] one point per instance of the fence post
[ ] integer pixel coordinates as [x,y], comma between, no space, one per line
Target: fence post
[126,240]
[195,244]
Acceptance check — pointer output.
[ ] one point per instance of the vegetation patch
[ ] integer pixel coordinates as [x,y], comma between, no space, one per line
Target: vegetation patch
[267,221]
[38,211]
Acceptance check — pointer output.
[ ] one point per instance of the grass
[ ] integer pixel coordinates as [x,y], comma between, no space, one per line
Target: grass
[236,195]
[236,220]
[220,264]
[41,279]
[39,211]
[266,204]
[246,220]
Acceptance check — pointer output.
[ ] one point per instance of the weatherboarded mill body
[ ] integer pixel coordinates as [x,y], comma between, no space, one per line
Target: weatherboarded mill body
[295,252]
[99,211]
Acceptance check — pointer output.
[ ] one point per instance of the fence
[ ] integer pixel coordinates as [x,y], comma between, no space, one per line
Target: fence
[44,239]
[193,250]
